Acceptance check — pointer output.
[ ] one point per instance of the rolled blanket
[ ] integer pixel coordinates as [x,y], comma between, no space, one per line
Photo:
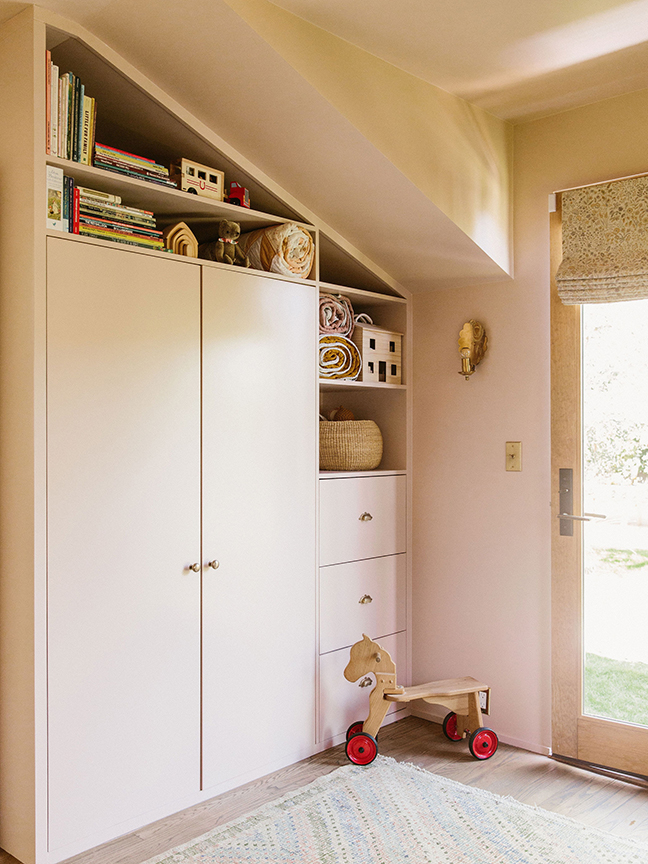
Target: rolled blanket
[335,315]
[338,358]
[286,249]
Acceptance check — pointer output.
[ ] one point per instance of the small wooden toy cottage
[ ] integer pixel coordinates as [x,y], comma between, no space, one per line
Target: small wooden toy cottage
[381,352]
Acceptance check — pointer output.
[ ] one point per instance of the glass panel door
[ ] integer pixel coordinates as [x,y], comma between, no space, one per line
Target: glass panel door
[615,486]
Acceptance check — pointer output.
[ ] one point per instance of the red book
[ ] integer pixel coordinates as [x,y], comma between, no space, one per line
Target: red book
[75,211]
[48,102]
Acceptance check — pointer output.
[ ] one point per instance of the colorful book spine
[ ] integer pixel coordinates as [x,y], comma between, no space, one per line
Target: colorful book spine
[61,104]
[137,175]
[123,154]
[93,127]
[54,109]
[114,234]
[75,211]
[79,122]
[48,102]
[122,218]
[120,208]
[54,198]
[100,196]
[131,166]
[85,130]
[74,124]
[112,225]
[70,114]
[71,188]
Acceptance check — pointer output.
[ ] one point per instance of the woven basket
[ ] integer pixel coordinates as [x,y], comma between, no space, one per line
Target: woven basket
[349,445]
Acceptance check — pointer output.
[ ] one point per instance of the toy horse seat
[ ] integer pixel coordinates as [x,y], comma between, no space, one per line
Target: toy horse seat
[460,695]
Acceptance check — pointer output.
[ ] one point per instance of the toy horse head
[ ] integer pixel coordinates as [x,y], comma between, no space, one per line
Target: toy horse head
[368,656]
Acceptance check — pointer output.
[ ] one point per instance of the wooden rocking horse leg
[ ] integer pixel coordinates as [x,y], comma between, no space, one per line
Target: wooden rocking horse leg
[378,707]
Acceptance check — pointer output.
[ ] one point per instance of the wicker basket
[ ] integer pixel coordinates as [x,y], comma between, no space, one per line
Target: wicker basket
[349,445]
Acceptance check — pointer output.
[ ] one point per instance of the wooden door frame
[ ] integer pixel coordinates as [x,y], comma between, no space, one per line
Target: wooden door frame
[566,590]
[614,744]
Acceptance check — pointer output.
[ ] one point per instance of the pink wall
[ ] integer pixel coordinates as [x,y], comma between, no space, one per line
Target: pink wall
[482,578]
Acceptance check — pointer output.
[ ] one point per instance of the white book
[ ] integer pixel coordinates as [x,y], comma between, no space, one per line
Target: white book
[55,198]
[54,109]
[62,99]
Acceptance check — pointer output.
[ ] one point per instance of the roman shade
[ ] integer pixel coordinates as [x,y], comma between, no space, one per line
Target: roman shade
[605,243]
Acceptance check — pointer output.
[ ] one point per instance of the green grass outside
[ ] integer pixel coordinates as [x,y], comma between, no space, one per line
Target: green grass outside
[630,559]
[616,689]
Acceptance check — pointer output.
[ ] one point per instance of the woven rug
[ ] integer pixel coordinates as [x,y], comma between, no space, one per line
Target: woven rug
[394,813]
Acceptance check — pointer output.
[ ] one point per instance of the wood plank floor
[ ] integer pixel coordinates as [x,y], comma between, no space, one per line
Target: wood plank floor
[608,804]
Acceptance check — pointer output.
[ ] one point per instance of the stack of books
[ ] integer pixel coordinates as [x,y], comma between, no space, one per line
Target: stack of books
[91,213]
[97,214]
[111,159]
[71,116]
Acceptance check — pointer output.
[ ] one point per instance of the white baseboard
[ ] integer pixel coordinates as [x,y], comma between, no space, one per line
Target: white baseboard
[436,713]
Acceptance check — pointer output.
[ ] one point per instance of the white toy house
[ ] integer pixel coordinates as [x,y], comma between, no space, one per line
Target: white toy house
[381,352]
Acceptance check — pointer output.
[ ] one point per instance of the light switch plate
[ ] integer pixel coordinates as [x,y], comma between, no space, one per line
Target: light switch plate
[513,455]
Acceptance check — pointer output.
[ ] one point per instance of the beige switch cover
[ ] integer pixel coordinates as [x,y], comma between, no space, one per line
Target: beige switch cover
[513,455]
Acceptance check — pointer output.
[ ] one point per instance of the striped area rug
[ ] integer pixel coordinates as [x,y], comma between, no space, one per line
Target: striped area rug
[394,813]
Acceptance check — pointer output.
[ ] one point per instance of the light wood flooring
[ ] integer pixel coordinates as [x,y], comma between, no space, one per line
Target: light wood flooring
[608,804]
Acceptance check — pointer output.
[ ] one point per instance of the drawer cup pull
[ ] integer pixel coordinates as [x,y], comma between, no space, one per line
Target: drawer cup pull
[366,599]
[366,517]
[366,682]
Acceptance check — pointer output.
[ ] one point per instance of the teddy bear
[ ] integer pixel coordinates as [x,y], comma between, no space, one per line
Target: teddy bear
[225,249]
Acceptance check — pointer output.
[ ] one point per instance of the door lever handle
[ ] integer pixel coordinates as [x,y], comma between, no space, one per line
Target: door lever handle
[586,517]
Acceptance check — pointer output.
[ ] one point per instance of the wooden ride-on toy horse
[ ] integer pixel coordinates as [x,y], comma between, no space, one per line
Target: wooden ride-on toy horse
[460,695]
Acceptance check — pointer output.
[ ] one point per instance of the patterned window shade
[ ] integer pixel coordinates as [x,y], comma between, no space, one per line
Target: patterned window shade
[605,243]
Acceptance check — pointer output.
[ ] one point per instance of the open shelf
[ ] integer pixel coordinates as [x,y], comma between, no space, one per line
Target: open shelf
[168,205]
[141,250]
[334,475]
[371,297]
[132,120]
[330,384]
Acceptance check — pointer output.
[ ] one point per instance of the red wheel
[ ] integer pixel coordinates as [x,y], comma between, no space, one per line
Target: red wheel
[450,727]
[483,743]
[354,729]
[362,749]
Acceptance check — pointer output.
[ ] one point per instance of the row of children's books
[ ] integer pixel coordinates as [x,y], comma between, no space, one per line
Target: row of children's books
[92,213]
[131,165]
[71,116]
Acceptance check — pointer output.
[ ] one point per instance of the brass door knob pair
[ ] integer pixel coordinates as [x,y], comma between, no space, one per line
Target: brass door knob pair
[213,564]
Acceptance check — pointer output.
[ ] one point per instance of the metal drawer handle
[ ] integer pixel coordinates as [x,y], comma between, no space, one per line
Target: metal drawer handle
[366,599]
[366,682]
[366,517]
[194,567]
[214,564]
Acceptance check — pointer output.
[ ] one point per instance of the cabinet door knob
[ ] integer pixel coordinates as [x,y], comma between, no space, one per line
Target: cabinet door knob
[366,682]
[194,567]
[214,564]
[366,517]
[366,599]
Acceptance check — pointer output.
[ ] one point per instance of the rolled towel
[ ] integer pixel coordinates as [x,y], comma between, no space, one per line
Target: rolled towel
[338,358]
[335,315]
[287,249]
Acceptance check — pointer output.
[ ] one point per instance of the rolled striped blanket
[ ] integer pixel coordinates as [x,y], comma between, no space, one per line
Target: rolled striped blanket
[335,315]
[338,358]
[287,249]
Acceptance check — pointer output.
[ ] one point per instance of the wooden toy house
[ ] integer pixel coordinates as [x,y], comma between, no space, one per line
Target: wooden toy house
[381,352]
